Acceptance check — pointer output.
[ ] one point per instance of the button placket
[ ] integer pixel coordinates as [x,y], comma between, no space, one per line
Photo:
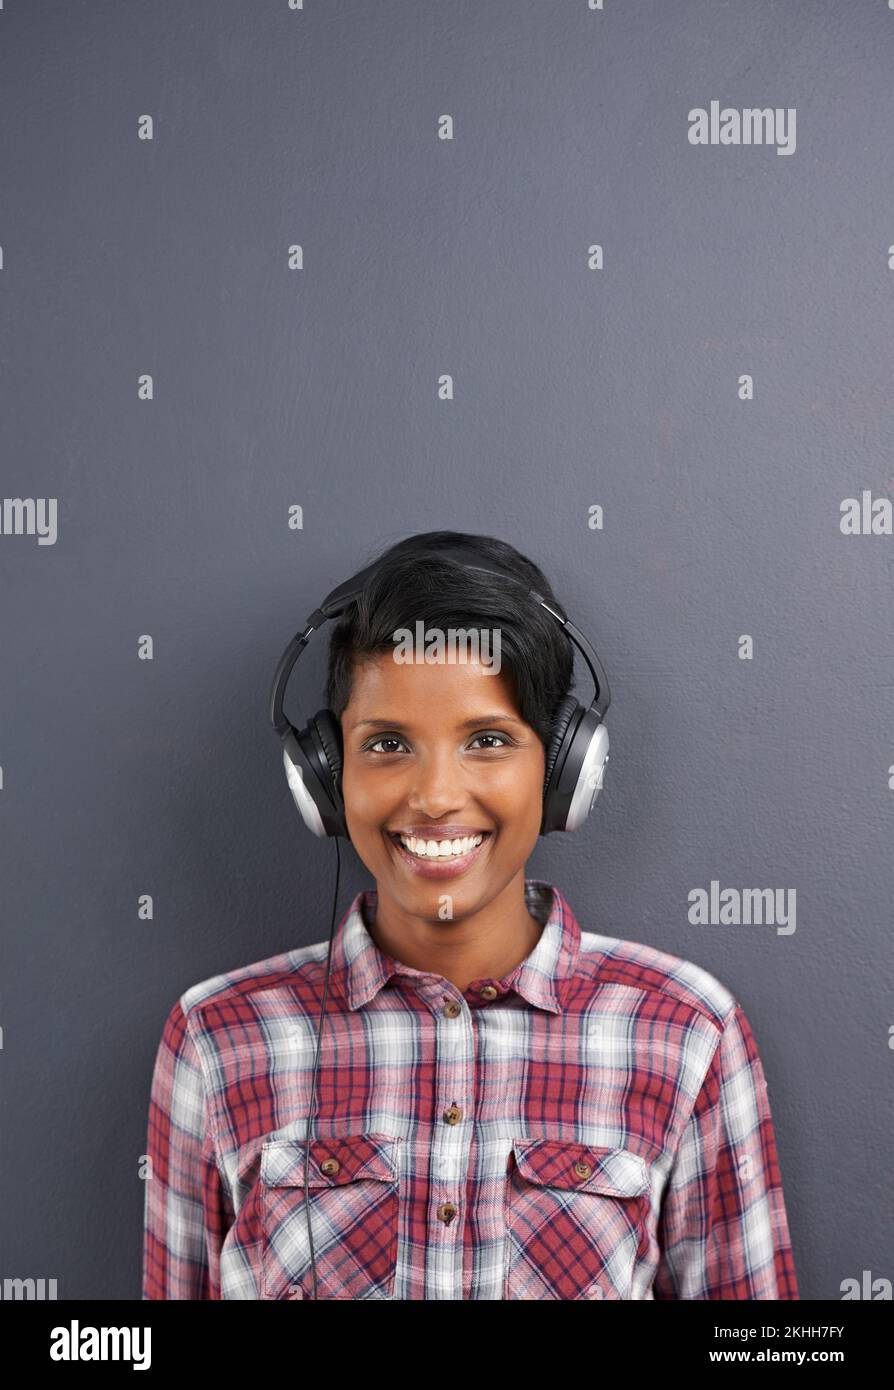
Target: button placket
[450,1142]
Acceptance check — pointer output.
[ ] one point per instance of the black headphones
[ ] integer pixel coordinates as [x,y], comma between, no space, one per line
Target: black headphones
[575,759]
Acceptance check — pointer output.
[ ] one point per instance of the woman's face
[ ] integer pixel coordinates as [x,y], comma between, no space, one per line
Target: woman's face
[439,752]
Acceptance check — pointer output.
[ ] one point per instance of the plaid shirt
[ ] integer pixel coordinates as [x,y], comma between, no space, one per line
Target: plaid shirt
[593,1125]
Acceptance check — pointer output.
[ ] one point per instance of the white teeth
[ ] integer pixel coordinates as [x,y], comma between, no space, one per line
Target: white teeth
[440,849]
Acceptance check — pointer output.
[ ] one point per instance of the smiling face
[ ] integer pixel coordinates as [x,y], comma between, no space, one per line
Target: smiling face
[439,752]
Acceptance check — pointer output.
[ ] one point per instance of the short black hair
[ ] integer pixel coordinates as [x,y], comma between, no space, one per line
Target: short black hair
[416,581]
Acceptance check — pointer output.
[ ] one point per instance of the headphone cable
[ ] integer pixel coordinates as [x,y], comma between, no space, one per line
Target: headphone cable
[313,1090]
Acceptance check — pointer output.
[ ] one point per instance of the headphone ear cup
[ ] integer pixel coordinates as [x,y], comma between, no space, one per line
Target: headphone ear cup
[329,730]
[578,755]
[580,781]
[313,763]
[563,716]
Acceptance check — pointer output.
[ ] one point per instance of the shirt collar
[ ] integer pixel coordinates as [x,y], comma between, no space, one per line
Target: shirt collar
[365,969]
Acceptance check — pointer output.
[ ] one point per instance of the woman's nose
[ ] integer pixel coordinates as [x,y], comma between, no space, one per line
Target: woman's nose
[438,786]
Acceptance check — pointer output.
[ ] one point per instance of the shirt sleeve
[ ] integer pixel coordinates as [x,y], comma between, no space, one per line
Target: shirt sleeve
[187,1210]
[723,1231]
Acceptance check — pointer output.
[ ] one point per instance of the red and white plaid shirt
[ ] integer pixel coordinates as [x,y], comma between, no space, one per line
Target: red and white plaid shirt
[593,1125]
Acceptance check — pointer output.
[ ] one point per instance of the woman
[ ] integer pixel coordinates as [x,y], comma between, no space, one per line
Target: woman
[508,1105]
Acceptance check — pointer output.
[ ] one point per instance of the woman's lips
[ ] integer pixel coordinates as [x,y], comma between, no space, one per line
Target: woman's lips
[439,868]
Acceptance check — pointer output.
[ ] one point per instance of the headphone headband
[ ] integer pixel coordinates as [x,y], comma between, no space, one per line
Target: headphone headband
[335,603]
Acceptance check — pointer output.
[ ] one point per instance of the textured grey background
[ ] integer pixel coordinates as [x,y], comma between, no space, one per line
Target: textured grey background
[573,387]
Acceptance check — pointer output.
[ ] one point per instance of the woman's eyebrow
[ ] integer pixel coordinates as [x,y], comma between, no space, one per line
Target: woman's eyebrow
[466,723]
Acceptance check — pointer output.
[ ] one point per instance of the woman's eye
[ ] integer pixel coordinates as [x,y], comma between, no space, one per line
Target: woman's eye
[393,739]
[504,742]
[388,739]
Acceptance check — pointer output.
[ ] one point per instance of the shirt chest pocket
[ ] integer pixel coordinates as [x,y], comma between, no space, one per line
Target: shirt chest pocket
[353,1183]
[575,1220]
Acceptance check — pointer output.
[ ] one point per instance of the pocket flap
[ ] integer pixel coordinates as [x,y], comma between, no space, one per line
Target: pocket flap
[356,1156]
[581,1167]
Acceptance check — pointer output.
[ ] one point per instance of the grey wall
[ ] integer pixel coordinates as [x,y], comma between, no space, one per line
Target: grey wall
[574,387]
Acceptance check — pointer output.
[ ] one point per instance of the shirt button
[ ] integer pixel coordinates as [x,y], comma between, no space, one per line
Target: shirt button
[446,1212]
[488,992]
[452,1008]
[583,1170]
[330,1167]
[453,1114]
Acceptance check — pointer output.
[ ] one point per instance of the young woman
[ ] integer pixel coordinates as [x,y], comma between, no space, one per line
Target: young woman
[507,1104]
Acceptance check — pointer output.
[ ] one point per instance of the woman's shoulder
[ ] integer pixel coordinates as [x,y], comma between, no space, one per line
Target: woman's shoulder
[663,975]
[243,983]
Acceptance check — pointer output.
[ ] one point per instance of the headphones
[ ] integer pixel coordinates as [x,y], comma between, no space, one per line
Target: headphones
[576,756]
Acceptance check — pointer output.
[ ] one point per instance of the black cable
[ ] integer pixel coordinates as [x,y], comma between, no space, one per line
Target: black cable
[313,1089]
